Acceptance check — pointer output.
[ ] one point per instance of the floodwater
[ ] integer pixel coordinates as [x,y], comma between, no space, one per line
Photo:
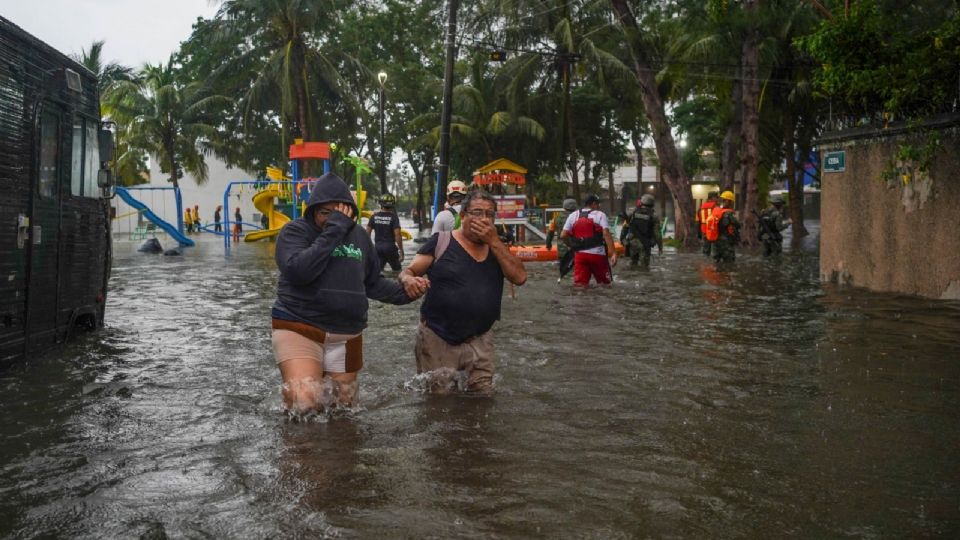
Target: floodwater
[683,402]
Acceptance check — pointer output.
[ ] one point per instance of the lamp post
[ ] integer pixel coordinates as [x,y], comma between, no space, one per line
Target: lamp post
[382,77]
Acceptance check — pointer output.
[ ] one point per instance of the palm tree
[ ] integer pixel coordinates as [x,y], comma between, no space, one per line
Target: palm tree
[129,164]
[290,74]
[107,73]
[169,119]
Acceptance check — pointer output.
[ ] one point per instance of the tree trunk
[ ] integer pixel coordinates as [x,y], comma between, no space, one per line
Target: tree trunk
[751,126]
[731,140]
[611,191]
[638,148]
[672,168]
[571,141]
[795,187]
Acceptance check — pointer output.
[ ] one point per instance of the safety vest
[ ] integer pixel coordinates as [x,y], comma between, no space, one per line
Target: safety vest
[712,232]
[586,232]
[704,214]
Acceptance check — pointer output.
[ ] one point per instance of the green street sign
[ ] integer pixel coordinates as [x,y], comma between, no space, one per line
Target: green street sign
[835,161]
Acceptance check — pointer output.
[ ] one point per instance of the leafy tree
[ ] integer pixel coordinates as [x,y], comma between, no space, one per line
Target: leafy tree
[130,163]
[172,121]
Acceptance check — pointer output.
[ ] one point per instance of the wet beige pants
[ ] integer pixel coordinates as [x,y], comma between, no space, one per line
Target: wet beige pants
[443,360]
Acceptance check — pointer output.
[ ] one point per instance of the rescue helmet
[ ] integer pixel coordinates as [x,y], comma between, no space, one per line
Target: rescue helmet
[647,200]
[591,198]
[776,200]
[387,200]
[570,205]
[456,186]
[728,196]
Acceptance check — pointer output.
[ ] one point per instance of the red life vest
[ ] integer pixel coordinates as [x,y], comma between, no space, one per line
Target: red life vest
[712,231]
[586,232]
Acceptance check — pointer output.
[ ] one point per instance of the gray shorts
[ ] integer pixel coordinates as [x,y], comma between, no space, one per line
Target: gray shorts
[475,357]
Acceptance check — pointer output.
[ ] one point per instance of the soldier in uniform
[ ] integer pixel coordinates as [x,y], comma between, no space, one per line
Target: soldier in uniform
[771,223]
[556,226]
[725,219]
[643,232]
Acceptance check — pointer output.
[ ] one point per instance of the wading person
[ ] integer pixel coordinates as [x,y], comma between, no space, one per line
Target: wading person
[587,232]
[384,225]
[466,269]
[703,215]
[449,218]
[217,227]
[723,229]
[196,218]
[771,226]
[237,224]
[328,269]
[188,220]
[644,232]
[564,256]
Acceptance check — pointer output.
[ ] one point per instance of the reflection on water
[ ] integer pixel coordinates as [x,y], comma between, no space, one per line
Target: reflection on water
[683,402]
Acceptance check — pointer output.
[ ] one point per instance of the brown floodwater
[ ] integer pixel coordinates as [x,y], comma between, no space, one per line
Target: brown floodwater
[683,402]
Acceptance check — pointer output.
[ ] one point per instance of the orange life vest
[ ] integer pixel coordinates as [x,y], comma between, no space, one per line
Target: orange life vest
[704,214]
[712,231]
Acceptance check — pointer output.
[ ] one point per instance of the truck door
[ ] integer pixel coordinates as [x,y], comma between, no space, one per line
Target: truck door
[42,293]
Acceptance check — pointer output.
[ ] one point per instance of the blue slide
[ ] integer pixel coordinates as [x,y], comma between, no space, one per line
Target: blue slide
[147,213]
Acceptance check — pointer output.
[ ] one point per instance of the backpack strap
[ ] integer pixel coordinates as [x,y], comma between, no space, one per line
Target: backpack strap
[443,242]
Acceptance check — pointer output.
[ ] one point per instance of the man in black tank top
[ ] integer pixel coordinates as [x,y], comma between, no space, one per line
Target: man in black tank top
[385,226]
[465,269]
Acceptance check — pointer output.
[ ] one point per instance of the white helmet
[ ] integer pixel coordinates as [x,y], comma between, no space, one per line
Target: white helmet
[456,186]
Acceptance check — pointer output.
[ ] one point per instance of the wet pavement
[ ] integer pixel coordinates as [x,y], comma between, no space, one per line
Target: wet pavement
[683,402]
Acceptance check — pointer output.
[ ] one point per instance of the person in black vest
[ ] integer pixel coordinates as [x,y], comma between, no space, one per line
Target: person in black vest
[385,226]
[466,268]
[328,269]
[644,232]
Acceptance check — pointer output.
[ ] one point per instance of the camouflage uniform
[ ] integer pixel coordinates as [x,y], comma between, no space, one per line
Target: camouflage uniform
[554,231]
[724,249]
[770,224]
[643,232]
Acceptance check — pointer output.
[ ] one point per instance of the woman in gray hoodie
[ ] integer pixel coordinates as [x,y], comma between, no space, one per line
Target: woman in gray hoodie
[328,269]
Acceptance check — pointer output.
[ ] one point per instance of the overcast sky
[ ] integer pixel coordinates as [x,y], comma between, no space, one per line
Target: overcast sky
[135,31]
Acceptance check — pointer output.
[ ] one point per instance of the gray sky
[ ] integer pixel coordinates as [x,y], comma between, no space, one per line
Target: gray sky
[135,31]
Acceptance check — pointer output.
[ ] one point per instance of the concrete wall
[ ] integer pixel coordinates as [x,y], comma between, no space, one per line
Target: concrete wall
[891,235]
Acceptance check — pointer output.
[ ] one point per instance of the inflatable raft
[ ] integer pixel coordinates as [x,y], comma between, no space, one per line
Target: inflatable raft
[542,254]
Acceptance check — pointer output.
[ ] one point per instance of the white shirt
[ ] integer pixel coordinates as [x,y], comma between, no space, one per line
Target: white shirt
[445,219]
[598,217]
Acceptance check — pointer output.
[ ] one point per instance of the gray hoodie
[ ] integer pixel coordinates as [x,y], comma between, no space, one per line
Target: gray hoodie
[326,275]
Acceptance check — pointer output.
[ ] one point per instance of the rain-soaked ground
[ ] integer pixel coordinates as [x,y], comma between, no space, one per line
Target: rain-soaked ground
[683,402]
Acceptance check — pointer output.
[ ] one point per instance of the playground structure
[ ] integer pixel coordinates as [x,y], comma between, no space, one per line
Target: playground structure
[503,178]
[139,208]
[282,198]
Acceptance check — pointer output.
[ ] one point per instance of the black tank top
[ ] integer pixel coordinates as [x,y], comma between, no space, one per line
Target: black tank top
[463,300]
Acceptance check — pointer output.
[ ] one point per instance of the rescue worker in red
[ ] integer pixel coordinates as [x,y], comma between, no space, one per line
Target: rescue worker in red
[702,216]
[723,229]
[587,232]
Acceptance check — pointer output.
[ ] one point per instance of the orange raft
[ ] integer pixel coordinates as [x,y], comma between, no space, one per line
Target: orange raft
[542,254]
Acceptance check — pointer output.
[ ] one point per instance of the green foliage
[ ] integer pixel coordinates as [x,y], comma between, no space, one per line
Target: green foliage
[898,58]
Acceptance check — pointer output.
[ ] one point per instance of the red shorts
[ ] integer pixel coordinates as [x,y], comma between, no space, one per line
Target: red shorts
[590,264]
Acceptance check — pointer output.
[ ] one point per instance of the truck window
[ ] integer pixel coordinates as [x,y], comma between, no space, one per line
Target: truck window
[49,154]
[76,159]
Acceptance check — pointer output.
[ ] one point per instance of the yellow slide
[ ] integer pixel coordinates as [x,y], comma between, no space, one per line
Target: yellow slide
[263,201]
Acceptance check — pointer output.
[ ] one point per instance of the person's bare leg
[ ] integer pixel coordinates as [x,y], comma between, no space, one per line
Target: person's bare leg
[347,387]
[302,384]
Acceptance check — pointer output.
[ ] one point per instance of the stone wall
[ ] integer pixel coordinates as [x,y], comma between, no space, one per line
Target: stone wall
[900,235]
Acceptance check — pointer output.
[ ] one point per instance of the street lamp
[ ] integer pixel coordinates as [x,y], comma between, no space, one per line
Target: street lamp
[382,77]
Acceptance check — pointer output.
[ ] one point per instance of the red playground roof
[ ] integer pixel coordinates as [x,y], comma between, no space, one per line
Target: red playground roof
[310,150]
